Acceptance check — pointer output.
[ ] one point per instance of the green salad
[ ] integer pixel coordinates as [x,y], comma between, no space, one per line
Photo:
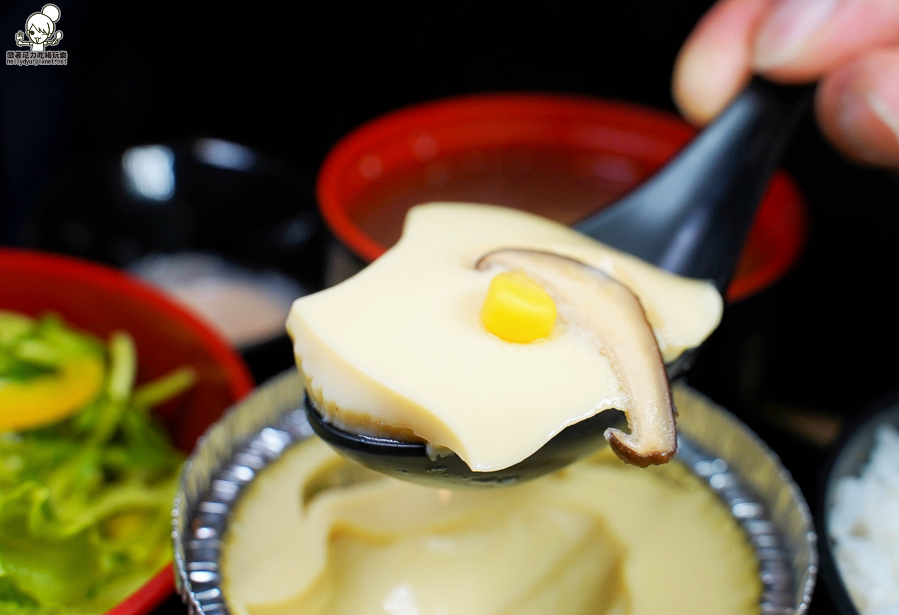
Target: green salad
[87,476]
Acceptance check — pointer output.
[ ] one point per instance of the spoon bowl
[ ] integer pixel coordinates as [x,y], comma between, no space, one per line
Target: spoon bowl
[691,218]
[420,463]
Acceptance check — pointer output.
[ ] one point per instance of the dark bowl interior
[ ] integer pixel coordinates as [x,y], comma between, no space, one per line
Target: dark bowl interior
[850,455]
[205,195]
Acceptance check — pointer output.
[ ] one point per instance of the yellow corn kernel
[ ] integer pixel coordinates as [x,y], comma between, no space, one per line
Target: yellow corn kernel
[517,309]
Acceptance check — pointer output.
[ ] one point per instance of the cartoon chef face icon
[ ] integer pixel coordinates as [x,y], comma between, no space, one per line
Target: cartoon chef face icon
[41,29]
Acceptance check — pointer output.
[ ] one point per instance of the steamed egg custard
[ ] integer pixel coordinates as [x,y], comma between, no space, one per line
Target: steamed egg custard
[318,535]
[488,330]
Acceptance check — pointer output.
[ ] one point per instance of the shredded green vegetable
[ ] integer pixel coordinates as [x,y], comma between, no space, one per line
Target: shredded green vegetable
[85,503]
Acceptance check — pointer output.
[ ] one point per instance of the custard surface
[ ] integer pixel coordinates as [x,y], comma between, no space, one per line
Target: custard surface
[400,349]
[317,535]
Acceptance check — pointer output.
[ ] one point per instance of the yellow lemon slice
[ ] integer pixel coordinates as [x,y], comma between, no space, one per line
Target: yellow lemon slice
[49,398]
[48,371]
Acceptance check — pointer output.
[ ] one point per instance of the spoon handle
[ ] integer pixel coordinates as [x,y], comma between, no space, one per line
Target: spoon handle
[693,216]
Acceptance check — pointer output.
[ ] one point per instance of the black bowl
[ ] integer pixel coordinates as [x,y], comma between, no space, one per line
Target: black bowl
[850,455]
[211,196]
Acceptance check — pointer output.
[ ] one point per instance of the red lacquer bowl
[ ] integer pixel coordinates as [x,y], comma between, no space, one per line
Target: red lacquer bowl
[559,156]
[102,300]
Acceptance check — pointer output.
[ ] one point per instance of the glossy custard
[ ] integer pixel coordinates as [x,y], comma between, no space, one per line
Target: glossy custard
[318,535]
[402,348]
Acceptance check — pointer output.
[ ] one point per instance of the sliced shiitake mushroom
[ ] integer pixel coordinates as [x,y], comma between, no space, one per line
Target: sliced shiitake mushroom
[611,316]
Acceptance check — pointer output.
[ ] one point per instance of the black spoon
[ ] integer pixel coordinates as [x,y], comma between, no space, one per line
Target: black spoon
[690,218]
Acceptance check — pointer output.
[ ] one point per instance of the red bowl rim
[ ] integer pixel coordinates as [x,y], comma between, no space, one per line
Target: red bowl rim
[367,137]
[162,584]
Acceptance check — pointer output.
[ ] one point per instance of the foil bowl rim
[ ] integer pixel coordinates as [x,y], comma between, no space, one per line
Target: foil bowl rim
[259,428]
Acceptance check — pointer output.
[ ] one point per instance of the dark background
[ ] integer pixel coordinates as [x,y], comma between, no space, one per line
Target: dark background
[288,78]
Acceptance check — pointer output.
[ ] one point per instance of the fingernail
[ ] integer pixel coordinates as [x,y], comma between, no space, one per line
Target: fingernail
[884,113]
[868,141]
[783,36]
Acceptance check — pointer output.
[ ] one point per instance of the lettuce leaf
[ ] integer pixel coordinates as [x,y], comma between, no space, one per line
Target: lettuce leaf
[84,503]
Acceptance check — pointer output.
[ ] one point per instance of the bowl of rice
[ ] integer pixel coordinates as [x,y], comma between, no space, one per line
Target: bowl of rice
[859,515]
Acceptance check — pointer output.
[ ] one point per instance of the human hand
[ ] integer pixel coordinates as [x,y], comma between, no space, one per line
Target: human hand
[851,47]
[20,36]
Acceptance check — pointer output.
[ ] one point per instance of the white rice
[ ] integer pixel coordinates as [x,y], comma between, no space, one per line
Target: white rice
[864,525]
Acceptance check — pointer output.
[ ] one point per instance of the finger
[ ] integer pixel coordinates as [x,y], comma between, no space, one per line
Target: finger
[714,63]
[800,40]
[858,108]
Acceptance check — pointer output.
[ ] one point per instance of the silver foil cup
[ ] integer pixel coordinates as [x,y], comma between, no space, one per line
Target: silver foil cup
[732,460]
